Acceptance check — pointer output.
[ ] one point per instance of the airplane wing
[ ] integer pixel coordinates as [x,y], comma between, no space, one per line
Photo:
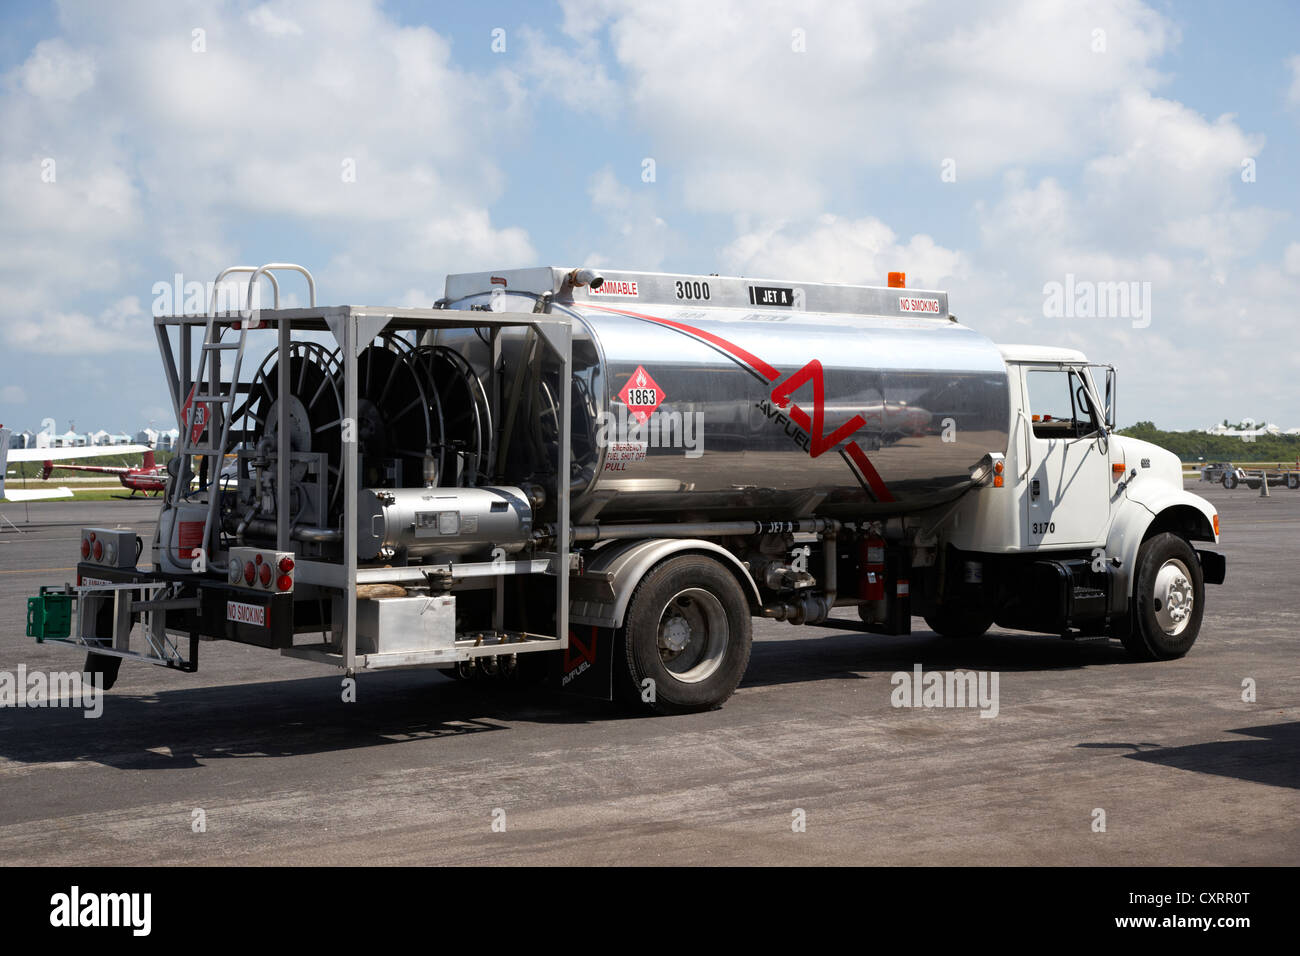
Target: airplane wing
[63,454]
[40,494]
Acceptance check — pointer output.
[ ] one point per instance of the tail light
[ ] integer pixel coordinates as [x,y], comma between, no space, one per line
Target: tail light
[99,550]
[85,548]
[264,570]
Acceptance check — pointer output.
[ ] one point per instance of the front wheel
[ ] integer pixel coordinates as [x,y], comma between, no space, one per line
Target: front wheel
[1293,482]
[1230,481]
[685,640]
[1168,600]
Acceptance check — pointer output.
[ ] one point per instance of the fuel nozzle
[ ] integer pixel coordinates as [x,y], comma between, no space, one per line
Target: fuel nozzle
[587,277]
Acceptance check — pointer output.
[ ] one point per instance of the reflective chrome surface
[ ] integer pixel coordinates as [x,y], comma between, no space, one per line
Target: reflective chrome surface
[908,406]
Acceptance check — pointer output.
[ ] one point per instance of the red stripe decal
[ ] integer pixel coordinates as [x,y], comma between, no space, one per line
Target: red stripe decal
[753,361]
[868,472]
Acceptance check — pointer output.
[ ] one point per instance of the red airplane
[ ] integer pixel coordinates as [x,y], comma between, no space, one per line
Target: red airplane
[148,477]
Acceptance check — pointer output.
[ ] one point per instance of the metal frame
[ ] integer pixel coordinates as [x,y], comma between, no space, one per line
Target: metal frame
[156,600]
[354,327]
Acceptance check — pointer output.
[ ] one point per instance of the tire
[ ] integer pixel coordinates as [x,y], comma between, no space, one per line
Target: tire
[960,623]
[696,664]
[1157,631]
[1230,481]
[104,664]
[1293,481]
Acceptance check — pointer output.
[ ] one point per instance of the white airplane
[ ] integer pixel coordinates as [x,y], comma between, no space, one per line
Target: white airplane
[8,454]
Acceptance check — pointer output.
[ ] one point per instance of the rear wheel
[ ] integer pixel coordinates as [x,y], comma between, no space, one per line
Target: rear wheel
[1230,481]
[1293,482]
[1168,600]
[686,637]
[963,623]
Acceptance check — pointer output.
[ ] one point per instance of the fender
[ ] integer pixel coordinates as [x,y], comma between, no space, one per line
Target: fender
[623,563]
[1153,509]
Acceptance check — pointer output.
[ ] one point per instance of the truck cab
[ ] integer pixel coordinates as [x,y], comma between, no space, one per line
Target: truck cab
[1094,537]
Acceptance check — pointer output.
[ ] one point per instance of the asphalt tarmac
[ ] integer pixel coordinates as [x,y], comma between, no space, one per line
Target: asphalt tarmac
[423,769]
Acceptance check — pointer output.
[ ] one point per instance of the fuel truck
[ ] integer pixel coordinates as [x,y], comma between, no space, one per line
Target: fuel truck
[600,478]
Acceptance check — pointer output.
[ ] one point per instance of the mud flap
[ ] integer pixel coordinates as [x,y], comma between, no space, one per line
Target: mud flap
[1214,566]
[586,666]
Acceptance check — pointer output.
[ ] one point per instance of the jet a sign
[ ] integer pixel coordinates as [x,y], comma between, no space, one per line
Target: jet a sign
[771,295]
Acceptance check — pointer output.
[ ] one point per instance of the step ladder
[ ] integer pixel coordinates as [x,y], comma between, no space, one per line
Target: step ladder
[212,401]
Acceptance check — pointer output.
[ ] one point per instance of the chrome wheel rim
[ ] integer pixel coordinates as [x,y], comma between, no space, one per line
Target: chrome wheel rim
[1174,597]
[692,636]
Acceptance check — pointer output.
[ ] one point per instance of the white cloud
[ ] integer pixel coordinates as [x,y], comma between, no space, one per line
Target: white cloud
[13,395]
[264,18]
[1293,94]
[574,74]
[327,125]
[1291,259]
[56,72]
[841,250]
[635,235]
[123,327]
[727,96]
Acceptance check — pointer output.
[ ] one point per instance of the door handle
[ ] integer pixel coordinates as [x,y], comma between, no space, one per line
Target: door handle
[1024,420]
[1034,488]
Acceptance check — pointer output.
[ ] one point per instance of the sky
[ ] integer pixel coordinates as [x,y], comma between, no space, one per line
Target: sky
[1035,160]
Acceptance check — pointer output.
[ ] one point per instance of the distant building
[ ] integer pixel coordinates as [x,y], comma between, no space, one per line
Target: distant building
[160,440]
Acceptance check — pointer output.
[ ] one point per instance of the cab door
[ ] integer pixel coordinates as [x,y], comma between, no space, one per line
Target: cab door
[1067,492]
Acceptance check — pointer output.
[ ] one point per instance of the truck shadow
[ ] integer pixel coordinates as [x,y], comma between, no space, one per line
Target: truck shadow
[856,655]
[185,727]
[180,729]
[1269,754]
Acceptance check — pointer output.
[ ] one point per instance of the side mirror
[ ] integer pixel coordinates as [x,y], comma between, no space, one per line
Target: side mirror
[1110,398]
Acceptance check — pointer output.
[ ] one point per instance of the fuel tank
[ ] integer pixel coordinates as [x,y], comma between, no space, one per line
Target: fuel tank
[707,397]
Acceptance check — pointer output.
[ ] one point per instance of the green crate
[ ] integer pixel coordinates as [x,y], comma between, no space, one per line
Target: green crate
[49,615]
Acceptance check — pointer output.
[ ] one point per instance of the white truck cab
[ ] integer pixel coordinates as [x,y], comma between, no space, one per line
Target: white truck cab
[1104,513]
